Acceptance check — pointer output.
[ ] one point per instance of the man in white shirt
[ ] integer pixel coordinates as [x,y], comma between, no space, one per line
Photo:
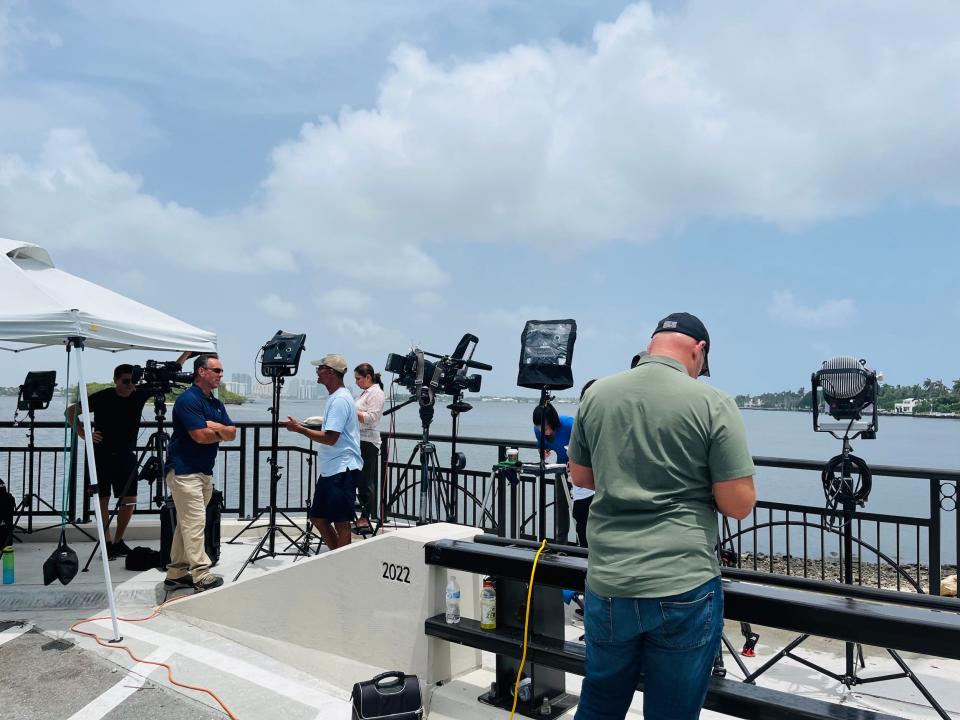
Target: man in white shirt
[339,455]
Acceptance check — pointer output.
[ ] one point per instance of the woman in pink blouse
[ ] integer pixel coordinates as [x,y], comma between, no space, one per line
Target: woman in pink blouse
[369,412]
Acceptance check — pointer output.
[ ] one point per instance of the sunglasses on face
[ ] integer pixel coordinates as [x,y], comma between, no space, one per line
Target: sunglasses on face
[218,371]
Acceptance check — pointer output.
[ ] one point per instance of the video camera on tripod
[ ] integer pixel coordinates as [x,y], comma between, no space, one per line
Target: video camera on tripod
[447,376]
[425,380]
[159,377]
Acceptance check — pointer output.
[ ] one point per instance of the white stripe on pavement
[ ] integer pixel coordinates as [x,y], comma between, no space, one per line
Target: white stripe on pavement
[133,681]
[284,686]
[12,633]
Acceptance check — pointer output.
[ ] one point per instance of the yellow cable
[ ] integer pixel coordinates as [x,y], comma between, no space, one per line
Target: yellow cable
[526,625]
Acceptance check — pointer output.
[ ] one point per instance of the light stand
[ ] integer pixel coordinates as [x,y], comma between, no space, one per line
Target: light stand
[35,394]
[848,391]
[266,547]
[545,399]
[546,357]
[457,459]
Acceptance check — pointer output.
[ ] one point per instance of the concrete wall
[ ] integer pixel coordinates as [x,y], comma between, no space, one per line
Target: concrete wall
[338,618]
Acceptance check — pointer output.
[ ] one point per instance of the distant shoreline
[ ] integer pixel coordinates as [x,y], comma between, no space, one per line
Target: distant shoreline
[882,414]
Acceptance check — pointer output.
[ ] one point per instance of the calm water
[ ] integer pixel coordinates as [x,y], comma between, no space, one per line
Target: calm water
[905,441]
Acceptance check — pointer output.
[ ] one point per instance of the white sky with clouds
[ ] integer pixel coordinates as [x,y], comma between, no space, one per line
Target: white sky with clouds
[384,174]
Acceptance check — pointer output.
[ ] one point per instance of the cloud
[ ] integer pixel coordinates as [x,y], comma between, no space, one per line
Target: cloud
[657,122]
[828,314]
[516,318]
[276,306]
[16,32]
[790,114]
[344,299]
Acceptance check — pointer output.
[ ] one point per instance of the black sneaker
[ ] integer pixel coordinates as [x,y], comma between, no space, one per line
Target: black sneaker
[177,583]
[120,548]
[208,582]
[111,551]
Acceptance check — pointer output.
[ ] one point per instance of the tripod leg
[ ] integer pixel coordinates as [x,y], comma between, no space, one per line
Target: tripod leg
[734,654]
[396,494]
[41,501]
[775,659]
[919,685]
[254,556]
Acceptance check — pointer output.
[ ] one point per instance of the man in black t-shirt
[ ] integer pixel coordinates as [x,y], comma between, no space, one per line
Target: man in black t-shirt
[116,424]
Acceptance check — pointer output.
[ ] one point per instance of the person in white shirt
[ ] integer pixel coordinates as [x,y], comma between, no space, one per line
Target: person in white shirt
[369,412]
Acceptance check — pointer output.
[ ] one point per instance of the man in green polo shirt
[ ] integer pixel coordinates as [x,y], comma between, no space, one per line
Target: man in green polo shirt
[664,453]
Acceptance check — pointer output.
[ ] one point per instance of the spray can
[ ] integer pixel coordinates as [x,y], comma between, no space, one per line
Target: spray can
[453,601]
[488,605]
[8,565]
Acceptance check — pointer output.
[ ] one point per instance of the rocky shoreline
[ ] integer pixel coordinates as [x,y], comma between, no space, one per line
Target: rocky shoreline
[864,573]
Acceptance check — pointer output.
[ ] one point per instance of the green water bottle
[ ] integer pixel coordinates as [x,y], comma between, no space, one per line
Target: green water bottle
[8,565]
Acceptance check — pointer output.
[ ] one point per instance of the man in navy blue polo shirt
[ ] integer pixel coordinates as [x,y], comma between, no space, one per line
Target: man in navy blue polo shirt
[200,422]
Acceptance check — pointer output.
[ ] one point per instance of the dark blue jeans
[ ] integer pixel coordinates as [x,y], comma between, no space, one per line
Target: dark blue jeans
[670,641]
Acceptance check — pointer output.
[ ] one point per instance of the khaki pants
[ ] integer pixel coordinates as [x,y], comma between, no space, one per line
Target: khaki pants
[191,493]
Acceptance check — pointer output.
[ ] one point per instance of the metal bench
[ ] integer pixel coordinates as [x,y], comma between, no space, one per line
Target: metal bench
[903,626]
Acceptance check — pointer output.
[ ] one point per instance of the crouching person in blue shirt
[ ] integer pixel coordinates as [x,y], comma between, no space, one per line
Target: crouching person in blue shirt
[200,422]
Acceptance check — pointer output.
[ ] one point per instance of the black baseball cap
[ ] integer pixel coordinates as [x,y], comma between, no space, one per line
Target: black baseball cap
[691,326]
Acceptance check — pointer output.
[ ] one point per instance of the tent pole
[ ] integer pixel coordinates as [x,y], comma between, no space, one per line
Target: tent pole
[77,345]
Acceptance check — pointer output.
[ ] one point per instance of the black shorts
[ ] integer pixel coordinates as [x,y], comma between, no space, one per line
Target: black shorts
[335,496]
[115,469]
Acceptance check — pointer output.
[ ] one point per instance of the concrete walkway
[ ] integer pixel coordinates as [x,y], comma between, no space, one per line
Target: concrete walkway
[48,672]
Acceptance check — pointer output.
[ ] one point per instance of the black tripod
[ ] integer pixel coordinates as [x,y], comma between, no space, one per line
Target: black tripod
[150,464]
[846,491]
[26,506]
[432,490]
[267,547]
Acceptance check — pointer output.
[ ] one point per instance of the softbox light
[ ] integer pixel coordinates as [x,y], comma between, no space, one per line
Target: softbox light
[37,390]
[281,354]
[546,354]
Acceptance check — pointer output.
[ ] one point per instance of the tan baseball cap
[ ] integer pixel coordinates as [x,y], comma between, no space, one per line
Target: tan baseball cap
[332,361]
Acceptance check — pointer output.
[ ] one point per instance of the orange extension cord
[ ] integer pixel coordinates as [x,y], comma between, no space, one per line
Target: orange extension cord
[73,628]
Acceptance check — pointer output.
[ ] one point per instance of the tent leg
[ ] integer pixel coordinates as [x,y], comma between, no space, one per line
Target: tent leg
[88,440]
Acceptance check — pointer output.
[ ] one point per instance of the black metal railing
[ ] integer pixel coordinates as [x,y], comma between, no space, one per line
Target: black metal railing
[890,549]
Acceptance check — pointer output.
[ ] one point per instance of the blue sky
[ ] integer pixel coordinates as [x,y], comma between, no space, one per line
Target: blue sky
[381,174]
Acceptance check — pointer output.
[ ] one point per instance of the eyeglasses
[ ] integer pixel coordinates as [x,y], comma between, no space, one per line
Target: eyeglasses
[126,381]
[218,371]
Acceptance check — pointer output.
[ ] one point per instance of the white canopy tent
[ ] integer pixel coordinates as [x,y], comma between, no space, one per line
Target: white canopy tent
[42,306]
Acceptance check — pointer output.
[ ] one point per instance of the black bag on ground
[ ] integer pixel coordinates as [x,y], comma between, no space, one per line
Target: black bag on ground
[211,535]
[143,558]
[168,523]
[211,539]
[388,696]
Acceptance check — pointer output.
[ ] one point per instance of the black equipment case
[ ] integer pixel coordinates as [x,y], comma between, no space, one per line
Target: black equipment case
[211,539]
[388,696]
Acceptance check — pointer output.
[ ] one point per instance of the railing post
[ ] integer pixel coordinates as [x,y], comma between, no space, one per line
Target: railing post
[255,505]
[501,479]
[242,490]
[933,561]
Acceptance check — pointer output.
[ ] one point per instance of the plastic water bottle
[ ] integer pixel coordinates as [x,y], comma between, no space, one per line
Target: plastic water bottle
[8,565]
[453,601]
[488,605]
